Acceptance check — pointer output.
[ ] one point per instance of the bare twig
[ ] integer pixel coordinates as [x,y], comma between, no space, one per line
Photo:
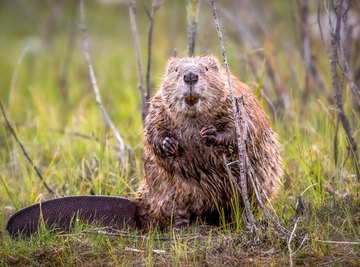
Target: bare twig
[334,60]
[289,242]
[154,7]
[345,51]
[292,234]
[192,23]
[95,87]
[336,149]
[338,242]
[241,130]
[135,34]
[25,152]
[311,70]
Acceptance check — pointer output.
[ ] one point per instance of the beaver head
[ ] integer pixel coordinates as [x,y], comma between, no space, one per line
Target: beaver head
[193,85]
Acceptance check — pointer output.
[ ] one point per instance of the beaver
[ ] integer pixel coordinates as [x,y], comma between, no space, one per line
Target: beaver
[190,147]
[190,135]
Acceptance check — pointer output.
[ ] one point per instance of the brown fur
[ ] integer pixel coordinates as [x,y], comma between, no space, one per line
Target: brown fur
[193,180]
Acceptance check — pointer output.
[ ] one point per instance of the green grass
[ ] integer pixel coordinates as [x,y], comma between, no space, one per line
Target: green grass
[47,104]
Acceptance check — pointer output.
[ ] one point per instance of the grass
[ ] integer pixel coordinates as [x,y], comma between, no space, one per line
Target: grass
[48,103]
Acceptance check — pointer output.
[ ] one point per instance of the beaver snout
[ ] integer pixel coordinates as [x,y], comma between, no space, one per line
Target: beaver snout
[191,78]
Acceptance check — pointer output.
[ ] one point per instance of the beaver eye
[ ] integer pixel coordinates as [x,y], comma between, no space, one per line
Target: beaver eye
[206,68]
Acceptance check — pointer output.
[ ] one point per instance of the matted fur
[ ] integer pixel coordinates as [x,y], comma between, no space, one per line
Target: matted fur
[193,181]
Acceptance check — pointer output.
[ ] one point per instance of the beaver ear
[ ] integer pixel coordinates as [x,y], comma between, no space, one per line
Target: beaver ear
[171,65]
[213,62]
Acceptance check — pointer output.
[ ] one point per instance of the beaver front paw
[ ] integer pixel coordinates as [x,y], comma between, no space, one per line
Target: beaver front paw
[170,146]
[209,135]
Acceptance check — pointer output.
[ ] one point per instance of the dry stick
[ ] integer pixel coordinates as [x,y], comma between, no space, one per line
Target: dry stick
[335,40]
[345,51]
[96,88]
[292,234]
[338,242]
[241,131]
[236,115]
[244,164]
[154,7]
[135,34]
[192,24]
[25,152]
[335,142]
[336,148]
[289,242]
[310,66]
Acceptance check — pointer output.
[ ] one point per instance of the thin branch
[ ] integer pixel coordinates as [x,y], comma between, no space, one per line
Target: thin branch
[345,51]
[334,60]
[241,130]
[95,87]
[292,234]
[289,242]
[301,244]
[336,147]
[338,242]
[135,34]
[192,24]
[154,7]
[311,70]
[25,152]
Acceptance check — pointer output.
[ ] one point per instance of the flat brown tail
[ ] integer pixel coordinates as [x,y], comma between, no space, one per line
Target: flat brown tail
[61,213]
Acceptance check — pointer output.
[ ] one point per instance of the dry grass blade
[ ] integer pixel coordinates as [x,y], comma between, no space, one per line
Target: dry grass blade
[95,87]
[25,152]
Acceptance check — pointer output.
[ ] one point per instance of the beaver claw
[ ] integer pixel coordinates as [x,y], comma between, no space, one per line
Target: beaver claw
[170,146]
[209,135]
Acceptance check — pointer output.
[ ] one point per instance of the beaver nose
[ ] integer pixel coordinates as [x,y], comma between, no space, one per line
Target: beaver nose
[191,78]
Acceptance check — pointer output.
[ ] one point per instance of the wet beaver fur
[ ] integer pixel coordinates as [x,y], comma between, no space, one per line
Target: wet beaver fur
[188,130]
